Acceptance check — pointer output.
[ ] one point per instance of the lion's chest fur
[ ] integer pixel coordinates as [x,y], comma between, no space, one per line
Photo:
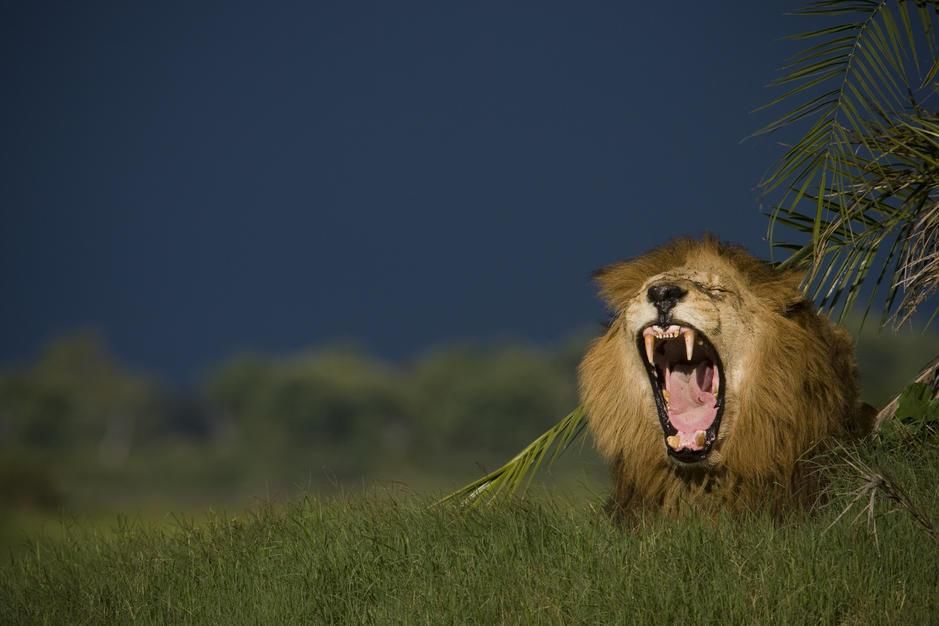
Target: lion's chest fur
[672,489]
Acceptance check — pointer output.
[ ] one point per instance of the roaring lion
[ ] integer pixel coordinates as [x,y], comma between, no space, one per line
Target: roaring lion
[714,382]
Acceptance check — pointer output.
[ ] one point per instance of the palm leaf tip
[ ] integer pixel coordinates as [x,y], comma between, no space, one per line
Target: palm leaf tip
[518,472]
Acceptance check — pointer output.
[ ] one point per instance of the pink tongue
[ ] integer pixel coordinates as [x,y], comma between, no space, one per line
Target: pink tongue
[690,407]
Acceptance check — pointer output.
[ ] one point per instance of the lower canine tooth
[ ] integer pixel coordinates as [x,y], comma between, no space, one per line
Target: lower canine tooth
[699,437]
[673,442]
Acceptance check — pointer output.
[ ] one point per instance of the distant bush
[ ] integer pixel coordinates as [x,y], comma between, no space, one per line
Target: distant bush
[75,396]
[330,398]
[494,400]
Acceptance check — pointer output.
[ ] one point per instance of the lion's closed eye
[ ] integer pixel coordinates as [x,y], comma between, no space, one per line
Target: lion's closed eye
[715,290]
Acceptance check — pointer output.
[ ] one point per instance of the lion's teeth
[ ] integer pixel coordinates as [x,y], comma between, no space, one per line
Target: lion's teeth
[673,442]
[689,342]
[665,395]
[699,438]
[650,345]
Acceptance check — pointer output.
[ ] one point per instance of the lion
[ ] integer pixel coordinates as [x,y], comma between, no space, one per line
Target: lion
[715,382]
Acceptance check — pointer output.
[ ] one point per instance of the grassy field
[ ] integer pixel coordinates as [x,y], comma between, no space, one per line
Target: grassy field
[386,557]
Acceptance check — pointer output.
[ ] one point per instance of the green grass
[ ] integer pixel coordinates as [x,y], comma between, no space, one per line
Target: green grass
[385,558]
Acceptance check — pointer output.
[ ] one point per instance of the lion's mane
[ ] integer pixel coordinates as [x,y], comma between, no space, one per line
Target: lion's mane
[791,383]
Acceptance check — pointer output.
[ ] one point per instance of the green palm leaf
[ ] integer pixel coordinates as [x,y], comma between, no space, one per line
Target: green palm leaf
[518,472]
[857,195]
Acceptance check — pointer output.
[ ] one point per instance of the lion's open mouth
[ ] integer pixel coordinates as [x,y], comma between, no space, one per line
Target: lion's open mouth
[688,384]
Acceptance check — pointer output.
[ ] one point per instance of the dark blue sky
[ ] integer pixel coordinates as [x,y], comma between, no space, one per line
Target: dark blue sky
[197,179]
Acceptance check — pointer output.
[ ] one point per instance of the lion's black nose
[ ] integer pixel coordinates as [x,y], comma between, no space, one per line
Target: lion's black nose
[664,296]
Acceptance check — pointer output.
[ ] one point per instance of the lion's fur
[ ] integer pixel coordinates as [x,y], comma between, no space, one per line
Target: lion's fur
[790,376]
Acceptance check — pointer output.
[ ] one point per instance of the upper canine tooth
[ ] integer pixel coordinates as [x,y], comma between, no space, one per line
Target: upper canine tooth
[689,342]
[650,343]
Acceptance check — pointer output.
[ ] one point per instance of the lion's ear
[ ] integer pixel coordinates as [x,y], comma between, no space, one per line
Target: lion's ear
[613,283]
[785,292]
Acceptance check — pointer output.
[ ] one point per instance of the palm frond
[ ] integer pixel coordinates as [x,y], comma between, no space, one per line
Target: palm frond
[519,471]
[860,189]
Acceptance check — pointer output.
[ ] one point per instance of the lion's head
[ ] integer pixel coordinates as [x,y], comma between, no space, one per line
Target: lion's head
[714,378]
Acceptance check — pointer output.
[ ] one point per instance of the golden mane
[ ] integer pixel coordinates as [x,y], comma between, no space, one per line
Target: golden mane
[788,376]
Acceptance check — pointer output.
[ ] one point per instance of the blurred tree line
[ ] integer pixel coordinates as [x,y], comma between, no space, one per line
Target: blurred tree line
[77,418]
[78,413]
